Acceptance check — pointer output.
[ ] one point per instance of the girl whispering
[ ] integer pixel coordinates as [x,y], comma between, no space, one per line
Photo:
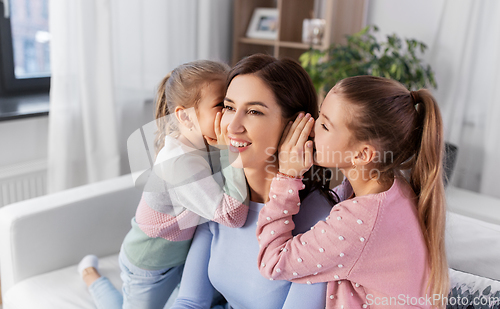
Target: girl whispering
[383,244]
[184,189]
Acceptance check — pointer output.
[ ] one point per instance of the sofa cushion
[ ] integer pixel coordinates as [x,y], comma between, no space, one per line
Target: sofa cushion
[62,288]
[473,246]
[471,291]
[472,204]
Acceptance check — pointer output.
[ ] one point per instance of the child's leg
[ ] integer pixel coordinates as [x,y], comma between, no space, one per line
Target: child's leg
[105,295]
[142,289]
[147,289]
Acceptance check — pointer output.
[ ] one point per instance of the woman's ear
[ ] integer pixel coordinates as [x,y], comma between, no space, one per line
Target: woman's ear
[183,117]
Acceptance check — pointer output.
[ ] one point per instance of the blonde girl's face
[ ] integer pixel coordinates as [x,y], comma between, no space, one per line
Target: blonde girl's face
[253,119]
[211,102]
[332,138]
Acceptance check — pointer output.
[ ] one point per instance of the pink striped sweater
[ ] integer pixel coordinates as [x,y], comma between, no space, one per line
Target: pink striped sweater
[230,213]
[370,249]
[186,187]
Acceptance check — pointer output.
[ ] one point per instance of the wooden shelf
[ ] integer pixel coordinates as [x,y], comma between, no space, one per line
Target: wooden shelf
[341,17]
[257,41]
[298,45]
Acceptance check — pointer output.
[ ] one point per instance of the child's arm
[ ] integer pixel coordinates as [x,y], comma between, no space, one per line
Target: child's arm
[165,223]
[192,187]
[188,185]
[233,209]
[182,193]
[325,253]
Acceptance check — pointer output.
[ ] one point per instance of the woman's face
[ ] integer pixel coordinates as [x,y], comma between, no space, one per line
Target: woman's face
[332,138]
[253,119]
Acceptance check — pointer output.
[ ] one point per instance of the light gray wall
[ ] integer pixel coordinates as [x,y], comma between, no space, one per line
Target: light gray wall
[23,140]
[407,18]
[27,139]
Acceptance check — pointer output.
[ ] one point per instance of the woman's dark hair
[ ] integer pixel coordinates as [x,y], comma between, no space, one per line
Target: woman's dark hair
[294,92]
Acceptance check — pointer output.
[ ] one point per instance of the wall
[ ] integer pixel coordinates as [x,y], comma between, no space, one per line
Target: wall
[420,20]
[27,139]
[23,140]
[408,18]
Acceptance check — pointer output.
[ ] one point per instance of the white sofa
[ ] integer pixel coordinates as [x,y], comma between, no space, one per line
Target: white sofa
[43,239]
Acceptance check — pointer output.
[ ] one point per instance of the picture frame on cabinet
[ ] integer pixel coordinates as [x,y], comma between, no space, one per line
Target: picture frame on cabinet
[264,24]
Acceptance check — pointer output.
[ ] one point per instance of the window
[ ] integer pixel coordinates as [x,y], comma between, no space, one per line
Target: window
[24,47]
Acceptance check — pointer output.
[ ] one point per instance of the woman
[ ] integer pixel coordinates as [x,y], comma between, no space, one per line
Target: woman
[263,95]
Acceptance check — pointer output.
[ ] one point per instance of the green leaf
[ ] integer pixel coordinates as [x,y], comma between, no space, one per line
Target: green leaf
[394,67]
[364,55]
[304,59]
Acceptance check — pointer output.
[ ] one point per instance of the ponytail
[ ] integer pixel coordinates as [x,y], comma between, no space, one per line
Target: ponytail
[409,125]
[427,181]
[160,113]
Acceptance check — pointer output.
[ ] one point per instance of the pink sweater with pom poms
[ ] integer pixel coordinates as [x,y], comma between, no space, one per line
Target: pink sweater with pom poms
[370,249]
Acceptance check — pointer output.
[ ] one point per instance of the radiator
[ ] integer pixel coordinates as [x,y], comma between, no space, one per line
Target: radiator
[22,181]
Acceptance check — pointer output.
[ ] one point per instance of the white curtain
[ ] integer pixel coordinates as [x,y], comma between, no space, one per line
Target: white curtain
[465,57]
[107,58]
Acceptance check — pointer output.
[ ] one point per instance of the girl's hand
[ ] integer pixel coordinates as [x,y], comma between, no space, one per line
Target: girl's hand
[221,135]
[295,151]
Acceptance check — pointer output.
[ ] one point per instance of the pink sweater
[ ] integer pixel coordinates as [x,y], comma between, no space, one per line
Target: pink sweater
[231,213]
[186,187]
[370,249]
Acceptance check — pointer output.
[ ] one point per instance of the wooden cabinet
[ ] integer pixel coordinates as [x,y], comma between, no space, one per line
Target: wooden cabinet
[341,16]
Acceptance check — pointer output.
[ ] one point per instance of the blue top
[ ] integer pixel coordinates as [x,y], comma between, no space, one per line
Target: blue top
[226,259]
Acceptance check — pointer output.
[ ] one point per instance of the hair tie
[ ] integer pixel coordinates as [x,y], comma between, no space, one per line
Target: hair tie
[414,96]
[289,176]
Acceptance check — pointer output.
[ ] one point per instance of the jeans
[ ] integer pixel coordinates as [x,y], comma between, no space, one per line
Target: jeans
[142,289]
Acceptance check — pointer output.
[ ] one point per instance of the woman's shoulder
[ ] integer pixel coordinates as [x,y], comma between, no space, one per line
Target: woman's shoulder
[313,208]
[344,190]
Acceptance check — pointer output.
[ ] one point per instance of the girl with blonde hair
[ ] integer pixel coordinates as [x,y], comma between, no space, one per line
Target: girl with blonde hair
[183,190]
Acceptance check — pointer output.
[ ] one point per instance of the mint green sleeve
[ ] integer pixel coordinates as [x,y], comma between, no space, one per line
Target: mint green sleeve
[235,184]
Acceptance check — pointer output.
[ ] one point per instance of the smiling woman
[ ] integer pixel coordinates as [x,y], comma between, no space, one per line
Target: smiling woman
[254,127]
[279,89]
[263,94]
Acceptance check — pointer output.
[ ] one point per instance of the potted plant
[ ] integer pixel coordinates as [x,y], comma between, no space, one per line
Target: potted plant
[364,55]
